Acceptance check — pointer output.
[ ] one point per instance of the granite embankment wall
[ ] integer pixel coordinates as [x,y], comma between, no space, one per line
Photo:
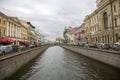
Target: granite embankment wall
[11,63]
[111,58]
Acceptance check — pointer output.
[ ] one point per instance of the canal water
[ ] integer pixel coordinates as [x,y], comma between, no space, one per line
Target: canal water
[57,63]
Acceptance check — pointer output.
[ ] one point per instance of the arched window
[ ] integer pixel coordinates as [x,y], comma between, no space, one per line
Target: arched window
[114,8]
[105,17]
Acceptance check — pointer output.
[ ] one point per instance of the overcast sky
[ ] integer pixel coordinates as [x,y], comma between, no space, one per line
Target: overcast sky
[49,16]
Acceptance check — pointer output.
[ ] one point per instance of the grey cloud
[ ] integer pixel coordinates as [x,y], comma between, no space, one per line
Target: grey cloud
[49,16]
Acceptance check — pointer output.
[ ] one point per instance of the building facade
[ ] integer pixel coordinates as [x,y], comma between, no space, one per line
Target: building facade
[79,35]
[24,31]
[13,29]
[69,35]
[17,31]
[37,38]
[31,35]
[103,25]
[42,39]
[3,19]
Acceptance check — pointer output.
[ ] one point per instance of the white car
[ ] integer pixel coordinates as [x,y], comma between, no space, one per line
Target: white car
[116,46]
[5,49]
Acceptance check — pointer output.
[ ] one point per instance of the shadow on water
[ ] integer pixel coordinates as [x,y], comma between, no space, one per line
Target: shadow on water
[92,70]
[60,64]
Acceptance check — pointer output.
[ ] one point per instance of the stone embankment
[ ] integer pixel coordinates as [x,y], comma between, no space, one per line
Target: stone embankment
[108,57]
[11,63]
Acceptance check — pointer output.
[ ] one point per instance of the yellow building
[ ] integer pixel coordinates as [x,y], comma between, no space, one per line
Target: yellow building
[31,34]
[103,25]
[24,31]
[13,29]
[91,27]
[3,18]
[18,30]
[37,38]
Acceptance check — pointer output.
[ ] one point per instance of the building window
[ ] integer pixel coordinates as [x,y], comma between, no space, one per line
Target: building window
[4,22]
[97,18]
[0,33]
[117,39]
[119,5]
[0,20]
[115,22]
[114,8]
[105,17]
[5,31]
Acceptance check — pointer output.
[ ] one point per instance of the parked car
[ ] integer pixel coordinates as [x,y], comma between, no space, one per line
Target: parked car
[9,48]
[81,44]
[5,49]
[22,47]
[116,47]
[31,46]
[99,45]
[92,45]
[86,45]
[15,48]
[105,46]
[2,50]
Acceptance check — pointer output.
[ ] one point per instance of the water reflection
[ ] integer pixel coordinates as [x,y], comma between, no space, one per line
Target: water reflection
[57,63]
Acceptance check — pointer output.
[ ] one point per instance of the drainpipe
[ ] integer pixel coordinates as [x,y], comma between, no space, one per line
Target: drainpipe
[112,20]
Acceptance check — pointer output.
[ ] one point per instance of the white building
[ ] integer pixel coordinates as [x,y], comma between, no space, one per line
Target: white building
[79,35]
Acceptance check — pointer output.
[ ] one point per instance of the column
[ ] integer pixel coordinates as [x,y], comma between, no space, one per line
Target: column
[10,28]
[13,30]
[16,31]
[7,28]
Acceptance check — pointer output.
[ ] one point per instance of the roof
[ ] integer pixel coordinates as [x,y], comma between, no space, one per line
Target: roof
[72,30]
[30,24]
[2,14]
[15,19]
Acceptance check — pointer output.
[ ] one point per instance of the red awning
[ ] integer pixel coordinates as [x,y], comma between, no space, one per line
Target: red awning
[25,42]
[10,40]
[5,40]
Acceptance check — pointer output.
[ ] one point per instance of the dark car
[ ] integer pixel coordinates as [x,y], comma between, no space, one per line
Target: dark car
[22,47]
[31,46]
[81,44]
[15,48]
[116,47]
[86,45]
[92,45]
[105,46]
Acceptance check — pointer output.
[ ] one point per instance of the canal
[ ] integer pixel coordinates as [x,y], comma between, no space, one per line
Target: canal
[57,63]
